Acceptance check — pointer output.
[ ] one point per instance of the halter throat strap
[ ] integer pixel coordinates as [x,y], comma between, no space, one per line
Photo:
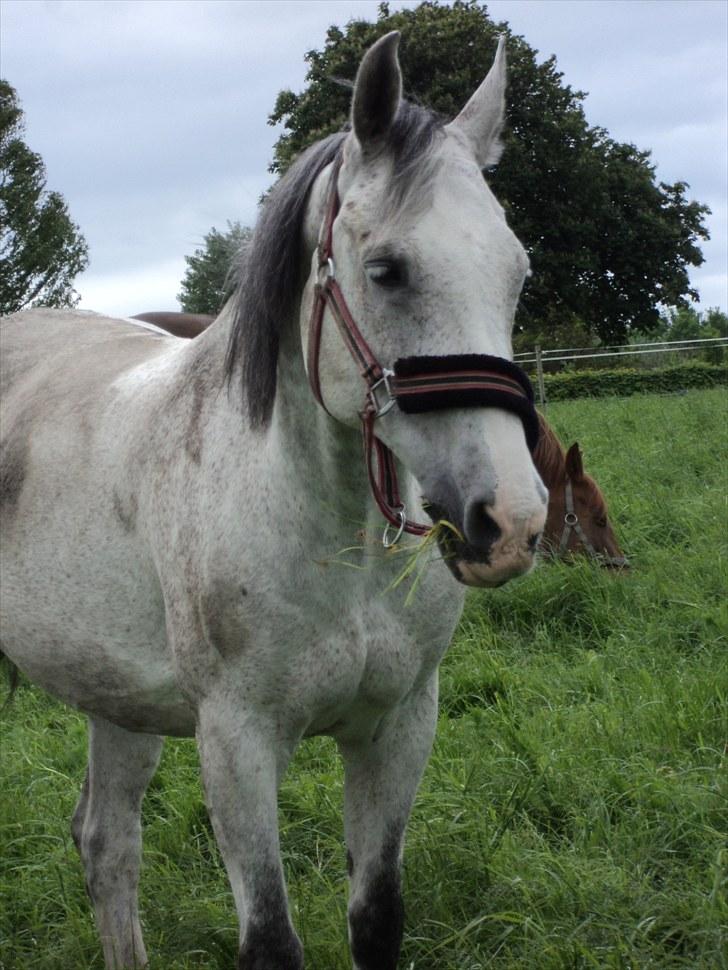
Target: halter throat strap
[414,384]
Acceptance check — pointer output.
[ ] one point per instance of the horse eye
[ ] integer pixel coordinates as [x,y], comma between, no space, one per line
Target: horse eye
[389,273]
[602,521]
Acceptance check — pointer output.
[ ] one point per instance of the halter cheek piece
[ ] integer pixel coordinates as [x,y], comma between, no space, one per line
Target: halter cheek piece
[571,523]
[414,384]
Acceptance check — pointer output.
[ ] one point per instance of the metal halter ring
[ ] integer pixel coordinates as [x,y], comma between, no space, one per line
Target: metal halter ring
[571,518]
[327,271]
[386,541]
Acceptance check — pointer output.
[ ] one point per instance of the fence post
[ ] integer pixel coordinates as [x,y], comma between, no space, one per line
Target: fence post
[539,372]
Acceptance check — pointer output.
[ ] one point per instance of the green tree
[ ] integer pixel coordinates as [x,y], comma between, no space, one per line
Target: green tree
[686,323]
[683,323]
[607,243]
[716,321]
[209,277]
[41,249]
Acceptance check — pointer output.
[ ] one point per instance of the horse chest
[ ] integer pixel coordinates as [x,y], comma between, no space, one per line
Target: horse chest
[362,655]
[358,671]
[326,656]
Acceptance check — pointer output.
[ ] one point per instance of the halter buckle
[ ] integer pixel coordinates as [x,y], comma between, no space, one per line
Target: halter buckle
[382,409]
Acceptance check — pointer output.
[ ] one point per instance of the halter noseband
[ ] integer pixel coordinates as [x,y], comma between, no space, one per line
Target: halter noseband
[414,384]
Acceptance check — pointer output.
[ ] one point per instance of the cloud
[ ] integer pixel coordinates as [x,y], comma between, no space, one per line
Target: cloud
[151,116]
[131,291]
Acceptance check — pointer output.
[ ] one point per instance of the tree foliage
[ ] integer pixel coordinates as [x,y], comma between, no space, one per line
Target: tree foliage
[41,249]
[686,323]
[607,243]
[208,279]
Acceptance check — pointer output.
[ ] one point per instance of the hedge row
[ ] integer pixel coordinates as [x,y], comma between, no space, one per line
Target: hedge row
[623,382]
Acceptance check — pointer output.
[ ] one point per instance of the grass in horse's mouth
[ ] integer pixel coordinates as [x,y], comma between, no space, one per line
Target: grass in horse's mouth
[415,563]
[415,555]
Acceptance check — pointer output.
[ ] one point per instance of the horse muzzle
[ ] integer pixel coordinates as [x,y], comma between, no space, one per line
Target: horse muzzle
[490,546]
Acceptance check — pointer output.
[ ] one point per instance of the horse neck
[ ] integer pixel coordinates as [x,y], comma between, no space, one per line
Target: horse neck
[549,457]
[321,458]
[308,461]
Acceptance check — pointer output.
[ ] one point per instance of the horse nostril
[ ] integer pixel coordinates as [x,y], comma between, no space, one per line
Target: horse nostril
[481,530]
[534,540]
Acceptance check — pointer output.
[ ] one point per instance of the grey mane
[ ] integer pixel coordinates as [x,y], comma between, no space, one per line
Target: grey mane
[269,277]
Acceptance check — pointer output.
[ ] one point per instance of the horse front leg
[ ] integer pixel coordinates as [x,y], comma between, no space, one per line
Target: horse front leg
[243,759]
[381,779]
[106,828]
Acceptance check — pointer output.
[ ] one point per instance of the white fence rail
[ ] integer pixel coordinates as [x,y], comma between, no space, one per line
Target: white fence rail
[539,357]
[618,350]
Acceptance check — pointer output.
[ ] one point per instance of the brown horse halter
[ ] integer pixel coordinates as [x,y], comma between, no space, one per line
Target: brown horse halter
[571,523]
[415,384]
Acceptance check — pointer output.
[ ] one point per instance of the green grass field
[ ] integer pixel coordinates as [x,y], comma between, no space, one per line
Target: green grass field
[574,813]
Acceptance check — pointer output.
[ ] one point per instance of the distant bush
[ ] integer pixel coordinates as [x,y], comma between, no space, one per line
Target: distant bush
[626,381]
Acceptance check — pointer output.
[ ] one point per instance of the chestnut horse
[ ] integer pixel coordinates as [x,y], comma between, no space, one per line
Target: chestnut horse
[577,520]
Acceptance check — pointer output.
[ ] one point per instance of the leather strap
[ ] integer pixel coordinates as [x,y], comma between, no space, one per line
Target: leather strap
[383,482]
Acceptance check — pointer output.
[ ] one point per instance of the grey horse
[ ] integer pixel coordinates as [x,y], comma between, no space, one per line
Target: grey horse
[169,508]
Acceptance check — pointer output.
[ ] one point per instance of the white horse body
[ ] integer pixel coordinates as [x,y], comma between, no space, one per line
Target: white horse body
[168,565]
[91,610]
[101,640]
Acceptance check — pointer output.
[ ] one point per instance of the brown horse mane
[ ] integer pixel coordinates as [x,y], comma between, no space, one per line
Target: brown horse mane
[550,460]
[549,456]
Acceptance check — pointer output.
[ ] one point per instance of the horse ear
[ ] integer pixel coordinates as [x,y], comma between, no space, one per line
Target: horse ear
[481,120]
[377,92]
[574,465]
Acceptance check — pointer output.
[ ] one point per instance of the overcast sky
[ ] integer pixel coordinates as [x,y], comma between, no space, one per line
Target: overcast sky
[151,115]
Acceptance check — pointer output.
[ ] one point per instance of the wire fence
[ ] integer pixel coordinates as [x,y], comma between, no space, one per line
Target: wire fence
[563,356]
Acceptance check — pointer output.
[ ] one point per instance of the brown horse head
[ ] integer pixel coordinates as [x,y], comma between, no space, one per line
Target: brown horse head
[187,325]
[577,522]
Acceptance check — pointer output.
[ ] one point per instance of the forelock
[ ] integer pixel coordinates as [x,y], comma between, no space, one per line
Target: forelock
[269,275]
[411,144]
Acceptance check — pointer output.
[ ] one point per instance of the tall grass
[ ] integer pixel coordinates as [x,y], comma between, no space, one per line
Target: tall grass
[574,813]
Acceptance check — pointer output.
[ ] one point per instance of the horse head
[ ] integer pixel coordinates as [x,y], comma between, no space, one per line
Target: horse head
[429,269]
[577,520]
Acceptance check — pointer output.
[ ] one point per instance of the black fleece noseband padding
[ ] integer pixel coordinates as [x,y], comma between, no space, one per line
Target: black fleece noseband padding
[462,381]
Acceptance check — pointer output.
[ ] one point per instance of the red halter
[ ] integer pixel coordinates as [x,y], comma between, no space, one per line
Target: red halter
[415,384]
